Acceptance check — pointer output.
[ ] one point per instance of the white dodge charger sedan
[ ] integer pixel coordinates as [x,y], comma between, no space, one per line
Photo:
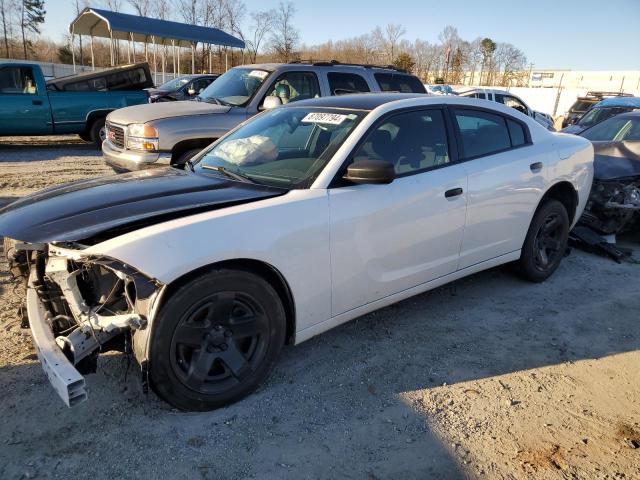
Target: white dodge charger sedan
[300,219]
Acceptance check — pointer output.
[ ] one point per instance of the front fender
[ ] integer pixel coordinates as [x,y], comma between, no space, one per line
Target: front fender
[290,232]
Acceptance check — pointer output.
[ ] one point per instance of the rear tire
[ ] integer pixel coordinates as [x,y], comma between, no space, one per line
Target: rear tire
[97,132]
[216,339]
[545,243]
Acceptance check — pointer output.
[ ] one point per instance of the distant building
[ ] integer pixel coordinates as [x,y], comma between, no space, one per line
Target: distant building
[612,81]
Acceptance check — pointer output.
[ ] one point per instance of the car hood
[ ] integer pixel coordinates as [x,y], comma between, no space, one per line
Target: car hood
[616,160]
[574,129]
[93,210]
[156,111]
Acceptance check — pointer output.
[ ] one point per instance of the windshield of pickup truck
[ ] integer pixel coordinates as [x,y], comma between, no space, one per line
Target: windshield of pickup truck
[284,147]
[236,87]
[175,84]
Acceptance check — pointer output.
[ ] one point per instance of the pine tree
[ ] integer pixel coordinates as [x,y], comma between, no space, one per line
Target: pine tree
[32,14]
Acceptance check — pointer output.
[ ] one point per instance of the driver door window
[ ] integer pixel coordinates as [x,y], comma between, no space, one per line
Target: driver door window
[413,142]
[294,86]
[17,80]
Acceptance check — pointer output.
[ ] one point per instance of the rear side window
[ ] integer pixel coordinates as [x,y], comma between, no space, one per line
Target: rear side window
[397,82]
[517,133]
[480,95]
[343,83]
[482,133]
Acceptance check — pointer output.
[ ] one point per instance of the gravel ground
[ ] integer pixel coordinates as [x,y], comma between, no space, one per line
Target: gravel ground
[488,377]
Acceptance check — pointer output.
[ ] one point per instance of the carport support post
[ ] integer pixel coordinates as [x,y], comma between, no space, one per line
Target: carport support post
[73,53]
[111,47]
[226,60]
[173,52]
[164,49]
[193,58]
[93,64]
[155,68]
[210,71]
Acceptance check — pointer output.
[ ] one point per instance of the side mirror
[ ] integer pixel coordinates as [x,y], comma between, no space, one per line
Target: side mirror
[191,91]
[375,172]
[271,102]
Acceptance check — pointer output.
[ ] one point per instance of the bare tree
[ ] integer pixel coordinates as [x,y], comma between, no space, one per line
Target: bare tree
[261,26]
[141,7]
[284,36]
[32,15]
[113,5]
[6,10]
[387,39]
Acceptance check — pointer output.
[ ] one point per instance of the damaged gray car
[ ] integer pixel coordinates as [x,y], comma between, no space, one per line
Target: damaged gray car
[614,202]
[613,206]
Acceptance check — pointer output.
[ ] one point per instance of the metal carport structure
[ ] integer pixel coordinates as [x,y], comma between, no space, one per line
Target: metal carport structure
[116,26]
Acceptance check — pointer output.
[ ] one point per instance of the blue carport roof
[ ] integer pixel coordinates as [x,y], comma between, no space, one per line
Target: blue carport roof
[123,26]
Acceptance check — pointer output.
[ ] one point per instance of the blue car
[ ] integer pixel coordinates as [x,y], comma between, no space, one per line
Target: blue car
[607,108]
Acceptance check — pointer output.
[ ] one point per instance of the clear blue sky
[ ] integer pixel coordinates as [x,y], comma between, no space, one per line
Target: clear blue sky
[574,34]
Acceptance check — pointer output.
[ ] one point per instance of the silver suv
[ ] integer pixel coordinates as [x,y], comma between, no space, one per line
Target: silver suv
[171,133]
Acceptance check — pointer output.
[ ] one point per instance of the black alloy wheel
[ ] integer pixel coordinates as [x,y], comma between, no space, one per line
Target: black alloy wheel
[546,242]
[219,342]
[215,339]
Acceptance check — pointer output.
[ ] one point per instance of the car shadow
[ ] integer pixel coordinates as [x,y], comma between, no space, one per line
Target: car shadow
[333,406]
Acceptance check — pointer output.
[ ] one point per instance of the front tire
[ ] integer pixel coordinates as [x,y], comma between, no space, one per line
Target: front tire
[546,242]
[216,339]
[98,133]
[188,155]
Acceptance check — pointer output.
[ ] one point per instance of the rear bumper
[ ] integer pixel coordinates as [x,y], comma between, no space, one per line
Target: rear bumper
[64,378]
[128,160]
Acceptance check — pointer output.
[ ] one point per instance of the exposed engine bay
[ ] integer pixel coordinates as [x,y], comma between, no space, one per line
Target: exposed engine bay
[89,305]
[613,205]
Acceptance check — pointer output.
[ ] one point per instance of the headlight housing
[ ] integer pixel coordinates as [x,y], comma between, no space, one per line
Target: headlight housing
[141,136]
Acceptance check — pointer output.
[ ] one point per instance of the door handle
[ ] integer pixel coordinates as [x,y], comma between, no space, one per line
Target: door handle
[454,192]
[536,167]
[37,102]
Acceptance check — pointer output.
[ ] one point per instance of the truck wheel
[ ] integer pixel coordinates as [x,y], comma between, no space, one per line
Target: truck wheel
[85,136]
[97,132]
[546,242]
[216,339]
[188,155]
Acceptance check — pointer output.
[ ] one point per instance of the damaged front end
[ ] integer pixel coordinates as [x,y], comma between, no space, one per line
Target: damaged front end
[613,205]
[80,305]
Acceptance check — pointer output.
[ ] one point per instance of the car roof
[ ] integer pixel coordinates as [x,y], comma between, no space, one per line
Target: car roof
[633,102]
[333,66]
[358,101]
[466,91]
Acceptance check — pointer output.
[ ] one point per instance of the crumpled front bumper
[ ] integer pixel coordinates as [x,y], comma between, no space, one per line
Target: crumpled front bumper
[68,383]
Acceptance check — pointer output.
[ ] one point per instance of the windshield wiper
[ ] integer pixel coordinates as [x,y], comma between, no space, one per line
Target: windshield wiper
[215,100]
[229,173]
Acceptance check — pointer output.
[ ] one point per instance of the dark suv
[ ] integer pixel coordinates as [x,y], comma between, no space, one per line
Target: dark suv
[173,132]
[185,87]
[602,110]
[582,104]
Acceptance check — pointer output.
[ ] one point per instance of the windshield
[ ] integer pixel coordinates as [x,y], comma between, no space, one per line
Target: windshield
[284,147]
[597,115]
[582,105]
[174,84]
[615,129]
[236,87]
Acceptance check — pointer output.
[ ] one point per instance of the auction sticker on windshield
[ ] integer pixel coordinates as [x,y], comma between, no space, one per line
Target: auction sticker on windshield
[331,118]
[258,74]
